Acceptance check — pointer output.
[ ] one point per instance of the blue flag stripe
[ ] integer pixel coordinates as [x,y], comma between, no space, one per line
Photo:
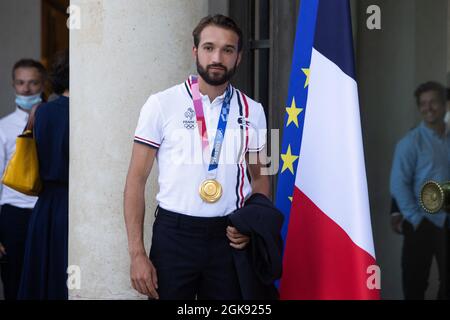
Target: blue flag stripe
[333,37]
[292,136]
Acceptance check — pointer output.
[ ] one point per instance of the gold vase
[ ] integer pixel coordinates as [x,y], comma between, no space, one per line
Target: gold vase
[435,197]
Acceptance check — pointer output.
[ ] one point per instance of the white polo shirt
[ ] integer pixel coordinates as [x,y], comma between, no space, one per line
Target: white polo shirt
[167,122]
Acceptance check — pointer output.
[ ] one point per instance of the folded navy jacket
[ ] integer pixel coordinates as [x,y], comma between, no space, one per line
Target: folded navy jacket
[259,264]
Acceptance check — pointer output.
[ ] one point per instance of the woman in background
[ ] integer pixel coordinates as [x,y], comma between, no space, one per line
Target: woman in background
[46,253]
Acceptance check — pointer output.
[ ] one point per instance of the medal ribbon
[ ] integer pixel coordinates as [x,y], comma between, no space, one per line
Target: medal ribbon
[201,124]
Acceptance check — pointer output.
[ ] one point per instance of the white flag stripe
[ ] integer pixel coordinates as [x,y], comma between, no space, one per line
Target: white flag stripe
[331,170]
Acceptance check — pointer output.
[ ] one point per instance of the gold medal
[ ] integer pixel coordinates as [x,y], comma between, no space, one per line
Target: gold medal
[210,190]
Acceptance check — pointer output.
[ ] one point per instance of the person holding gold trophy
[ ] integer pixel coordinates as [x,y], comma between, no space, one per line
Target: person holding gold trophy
[421,156]
[202,133]
[435,197]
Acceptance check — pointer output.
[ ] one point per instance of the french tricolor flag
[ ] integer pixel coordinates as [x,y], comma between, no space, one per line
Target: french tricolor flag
[322,187]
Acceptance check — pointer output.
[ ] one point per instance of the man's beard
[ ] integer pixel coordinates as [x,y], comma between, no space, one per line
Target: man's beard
[219,79]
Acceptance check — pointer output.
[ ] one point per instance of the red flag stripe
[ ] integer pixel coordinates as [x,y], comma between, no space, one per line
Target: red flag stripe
[321,261]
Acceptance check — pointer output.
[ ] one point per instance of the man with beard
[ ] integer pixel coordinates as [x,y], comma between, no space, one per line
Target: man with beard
[203,174]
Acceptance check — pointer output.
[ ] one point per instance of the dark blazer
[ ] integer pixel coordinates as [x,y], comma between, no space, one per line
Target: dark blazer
[259,265]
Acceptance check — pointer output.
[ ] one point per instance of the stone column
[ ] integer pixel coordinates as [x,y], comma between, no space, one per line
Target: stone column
[122,52]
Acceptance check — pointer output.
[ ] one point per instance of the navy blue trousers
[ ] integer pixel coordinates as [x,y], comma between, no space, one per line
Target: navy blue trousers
[419,248]
[13,233]
[193,258]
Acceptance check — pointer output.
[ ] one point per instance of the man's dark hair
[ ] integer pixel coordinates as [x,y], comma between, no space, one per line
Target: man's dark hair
[448,94]
[219,21]
[430,86]
[59,75]
[30,63]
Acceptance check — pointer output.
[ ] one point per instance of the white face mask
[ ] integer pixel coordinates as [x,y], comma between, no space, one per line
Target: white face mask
[27,102]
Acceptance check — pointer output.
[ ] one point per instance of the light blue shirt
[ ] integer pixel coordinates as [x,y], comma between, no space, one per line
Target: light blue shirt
[420,156]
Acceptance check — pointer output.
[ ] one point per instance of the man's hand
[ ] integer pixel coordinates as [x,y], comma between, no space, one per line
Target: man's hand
[143,276]
[2,250]
[396,223]
[238,240]
[142,272]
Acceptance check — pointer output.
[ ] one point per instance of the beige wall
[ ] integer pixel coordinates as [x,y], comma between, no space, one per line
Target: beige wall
[20,37]
[448,43]
[124,51]
[410,48]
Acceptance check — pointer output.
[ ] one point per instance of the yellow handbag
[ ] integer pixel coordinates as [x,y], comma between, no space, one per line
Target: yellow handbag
[22,171]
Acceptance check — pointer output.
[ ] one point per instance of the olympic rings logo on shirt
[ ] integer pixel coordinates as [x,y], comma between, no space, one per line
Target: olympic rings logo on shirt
[189,125]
